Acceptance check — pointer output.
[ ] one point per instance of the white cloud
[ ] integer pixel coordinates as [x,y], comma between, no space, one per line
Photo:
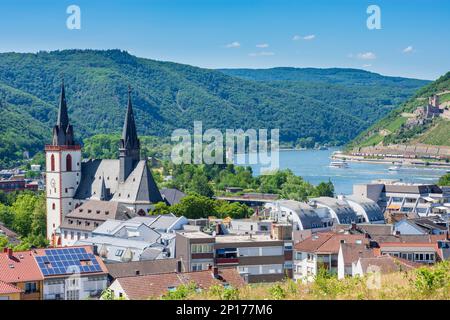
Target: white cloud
[234,44]
[262,53]
[262,45]
[366,56]
[408,49]
[309,37]
[367,65]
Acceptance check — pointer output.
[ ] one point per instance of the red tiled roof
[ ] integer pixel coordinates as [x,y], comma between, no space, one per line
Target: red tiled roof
[387,264]
[327,242]
[156,285]
[20,267]
[6,288]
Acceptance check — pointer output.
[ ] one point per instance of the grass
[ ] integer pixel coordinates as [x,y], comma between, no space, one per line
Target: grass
[444,97]
[396,124]
[425,283]
[372,141]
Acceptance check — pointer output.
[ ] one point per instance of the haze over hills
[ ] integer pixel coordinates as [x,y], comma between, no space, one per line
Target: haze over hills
[328,105]
[404,126]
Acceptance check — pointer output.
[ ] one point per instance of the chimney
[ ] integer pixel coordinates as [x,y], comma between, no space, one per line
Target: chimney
[397,232]
[210,267]
[10,252]
[215,272]
[353,226]
[179,266]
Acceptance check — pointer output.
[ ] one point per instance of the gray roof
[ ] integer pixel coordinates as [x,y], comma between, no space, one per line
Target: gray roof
[412,188]
[172,196]
[128,269]
[307,215]
[344,212]
[372,209]
[138,187]
[163,222]
[114,241]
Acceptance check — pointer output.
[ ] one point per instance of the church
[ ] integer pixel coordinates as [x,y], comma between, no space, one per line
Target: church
[72,181]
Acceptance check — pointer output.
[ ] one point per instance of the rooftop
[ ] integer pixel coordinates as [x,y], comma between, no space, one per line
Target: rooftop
[19,267]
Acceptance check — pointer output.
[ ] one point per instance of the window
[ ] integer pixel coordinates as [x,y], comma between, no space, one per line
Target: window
[68,162]
[65,234]
[52,163]
[119,252]
[30,287]
[201,248]
[53,206]
[71,235]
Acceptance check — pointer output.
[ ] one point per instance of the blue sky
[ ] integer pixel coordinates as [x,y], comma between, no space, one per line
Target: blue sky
[413,40]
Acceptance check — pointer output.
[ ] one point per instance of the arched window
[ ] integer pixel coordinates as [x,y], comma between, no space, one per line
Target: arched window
[53,206]
[141,213]
[52,163]
[69,163]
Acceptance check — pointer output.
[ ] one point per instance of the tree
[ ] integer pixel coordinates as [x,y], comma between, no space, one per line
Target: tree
[39,217]
[233,210]
[23,209]
[195,206]
[324,189]
[444,181]
[6,215]
[199,184]
[160,208]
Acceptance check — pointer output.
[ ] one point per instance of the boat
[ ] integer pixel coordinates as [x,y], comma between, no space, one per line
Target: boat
[395,167]
[338,164]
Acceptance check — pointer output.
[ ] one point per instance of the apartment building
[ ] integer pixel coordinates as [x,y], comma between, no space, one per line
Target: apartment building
[410,200]
[257,257]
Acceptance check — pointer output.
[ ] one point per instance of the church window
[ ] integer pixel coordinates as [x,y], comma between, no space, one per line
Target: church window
[52,163]
[66,190]
[69,163]
[53,206]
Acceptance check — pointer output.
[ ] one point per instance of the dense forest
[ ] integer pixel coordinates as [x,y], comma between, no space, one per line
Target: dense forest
[312,104]
[393,126]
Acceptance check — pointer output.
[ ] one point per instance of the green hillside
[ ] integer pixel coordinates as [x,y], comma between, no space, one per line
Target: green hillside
[329,109]
[392,128]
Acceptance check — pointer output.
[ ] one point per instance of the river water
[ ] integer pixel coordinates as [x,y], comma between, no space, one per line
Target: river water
[313,166]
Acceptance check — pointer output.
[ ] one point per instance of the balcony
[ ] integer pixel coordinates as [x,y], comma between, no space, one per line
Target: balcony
[221,261]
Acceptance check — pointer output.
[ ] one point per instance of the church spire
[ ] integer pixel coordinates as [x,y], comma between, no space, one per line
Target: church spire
[129,150]
[129,134]
[63,131]
[104,194]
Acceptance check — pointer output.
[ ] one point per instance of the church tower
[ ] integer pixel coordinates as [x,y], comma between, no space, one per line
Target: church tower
[63,170]
[129,149]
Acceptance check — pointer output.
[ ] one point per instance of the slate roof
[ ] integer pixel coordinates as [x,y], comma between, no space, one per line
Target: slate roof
[344,212]
[307,215]
[130,269]
[372,209]
[412,188]
[172,195]
[156,285]
[98,211]
[138,187]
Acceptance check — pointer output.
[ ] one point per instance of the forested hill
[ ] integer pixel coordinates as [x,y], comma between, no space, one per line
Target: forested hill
[169,95]
[394,128]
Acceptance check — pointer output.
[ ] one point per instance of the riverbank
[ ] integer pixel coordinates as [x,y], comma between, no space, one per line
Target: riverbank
[402,161]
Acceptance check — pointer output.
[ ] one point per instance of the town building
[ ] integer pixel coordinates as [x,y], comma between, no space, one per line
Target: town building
[20,271]
[70,181]
[84,219]
[301,215]
[367,210]
[172,196]
[137,239]
[73,273]
[420,226]
[321,250]
[141,268]
[406,200]
[384,264]
[340,210]
[257,257]
[9,291]
[157,285]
